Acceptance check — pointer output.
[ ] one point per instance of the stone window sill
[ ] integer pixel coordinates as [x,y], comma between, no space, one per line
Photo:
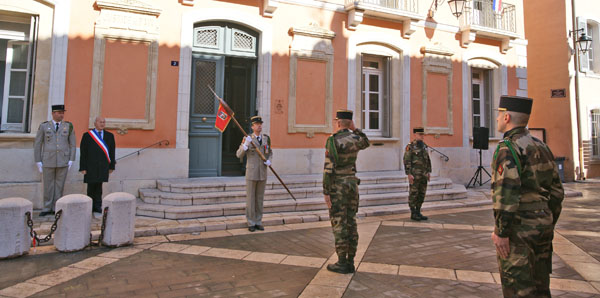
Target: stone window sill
[6,136]
[382,139]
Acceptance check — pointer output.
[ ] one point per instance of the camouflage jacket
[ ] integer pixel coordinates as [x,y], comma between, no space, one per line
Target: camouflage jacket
[341,151]
[529,182]
[416,159]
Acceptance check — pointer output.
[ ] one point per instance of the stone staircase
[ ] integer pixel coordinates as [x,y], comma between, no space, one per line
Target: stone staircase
[226,196]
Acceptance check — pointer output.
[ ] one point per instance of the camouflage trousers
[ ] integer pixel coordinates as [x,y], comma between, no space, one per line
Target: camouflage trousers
[526,271]
[344,205]
[417,191]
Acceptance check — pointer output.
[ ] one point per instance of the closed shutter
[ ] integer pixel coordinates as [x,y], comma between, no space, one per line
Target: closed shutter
[583,58]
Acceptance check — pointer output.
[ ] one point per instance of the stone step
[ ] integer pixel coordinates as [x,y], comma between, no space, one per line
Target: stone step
[155,196]
[220,184]
[289,205]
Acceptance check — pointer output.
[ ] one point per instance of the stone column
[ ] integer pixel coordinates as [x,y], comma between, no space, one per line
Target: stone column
[120,221]
[73,232]
[14,233]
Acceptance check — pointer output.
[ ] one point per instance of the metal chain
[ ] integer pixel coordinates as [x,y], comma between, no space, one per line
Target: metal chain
[102,227]
[34,234]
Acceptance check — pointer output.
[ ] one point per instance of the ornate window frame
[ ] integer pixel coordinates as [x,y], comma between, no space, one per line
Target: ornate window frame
[311,43]
[437,60]
[132,21]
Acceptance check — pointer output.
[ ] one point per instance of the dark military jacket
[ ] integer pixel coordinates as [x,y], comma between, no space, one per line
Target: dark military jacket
[525,178]
[341,150]
[416,159]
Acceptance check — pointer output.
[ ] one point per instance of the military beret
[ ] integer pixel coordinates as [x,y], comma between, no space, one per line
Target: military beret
[56,108]
[515,104]
[343,114]
[256,119]
[418,130]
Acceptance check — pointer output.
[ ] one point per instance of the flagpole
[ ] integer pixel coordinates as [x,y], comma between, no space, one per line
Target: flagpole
[264,159]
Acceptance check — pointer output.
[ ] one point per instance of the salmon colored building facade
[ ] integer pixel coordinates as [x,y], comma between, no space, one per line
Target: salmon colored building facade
[566,103]
[146,66]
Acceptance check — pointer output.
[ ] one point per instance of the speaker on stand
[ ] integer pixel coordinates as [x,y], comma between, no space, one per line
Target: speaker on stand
[481,141]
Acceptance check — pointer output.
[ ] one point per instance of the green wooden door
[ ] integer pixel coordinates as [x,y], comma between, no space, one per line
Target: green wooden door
[204,138]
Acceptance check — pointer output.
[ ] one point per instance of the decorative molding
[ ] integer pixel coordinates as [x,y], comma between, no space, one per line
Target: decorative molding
[355,17]
[467,37]
[437,60]
[187,2]
[312,43]
[133,21]
[269,7]
[507,44]
[409,27]
[312,30]
[132,6]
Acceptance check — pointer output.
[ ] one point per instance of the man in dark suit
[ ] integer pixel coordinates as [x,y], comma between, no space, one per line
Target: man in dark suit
[97,160]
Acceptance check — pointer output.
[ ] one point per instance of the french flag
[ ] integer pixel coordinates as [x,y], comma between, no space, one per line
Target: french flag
[498,6]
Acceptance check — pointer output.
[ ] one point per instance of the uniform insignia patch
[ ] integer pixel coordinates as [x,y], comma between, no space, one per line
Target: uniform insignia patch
[500,169]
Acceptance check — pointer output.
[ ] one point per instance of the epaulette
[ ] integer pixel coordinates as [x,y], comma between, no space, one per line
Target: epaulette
[45,122]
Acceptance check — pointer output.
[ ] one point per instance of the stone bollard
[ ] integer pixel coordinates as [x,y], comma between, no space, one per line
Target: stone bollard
[73,232]
[14,232]
[120,220]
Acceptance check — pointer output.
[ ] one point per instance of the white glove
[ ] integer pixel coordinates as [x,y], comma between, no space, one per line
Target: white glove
[268,163]
[70,163]
[247,142]
[39,165]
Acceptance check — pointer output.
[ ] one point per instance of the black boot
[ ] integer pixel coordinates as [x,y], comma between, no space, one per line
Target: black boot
[340,267]
[351,263]
[421,216]
[413,214]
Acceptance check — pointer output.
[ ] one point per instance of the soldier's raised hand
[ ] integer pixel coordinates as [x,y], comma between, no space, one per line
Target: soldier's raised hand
[411,179]
[352,127]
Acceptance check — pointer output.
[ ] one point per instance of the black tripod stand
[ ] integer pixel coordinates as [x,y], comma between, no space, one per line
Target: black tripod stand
[479,174]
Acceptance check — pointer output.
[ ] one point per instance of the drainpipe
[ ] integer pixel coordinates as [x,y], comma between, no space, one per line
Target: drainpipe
[579,138]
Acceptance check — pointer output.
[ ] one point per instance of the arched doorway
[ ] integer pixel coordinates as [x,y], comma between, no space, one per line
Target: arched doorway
[224,57]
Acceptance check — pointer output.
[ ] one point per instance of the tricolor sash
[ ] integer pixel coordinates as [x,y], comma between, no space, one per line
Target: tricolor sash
[96,137]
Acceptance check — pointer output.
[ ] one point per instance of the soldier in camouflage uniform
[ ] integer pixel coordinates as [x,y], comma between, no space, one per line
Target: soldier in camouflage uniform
[417,166]
[340,187]
[527,196]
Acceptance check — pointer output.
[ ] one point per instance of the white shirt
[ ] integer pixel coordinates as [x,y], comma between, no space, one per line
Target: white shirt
[101,133]
[54,124]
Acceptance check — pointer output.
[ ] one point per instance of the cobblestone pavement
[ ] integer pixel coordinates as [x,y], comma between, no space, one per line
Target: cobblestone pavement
[451,255]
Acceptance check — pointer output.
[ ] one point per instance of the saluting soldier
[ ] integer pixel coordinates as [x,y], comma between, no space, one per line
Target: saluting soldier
[340,187]
[527,195]
[54,153]
[417,167]
[256,172]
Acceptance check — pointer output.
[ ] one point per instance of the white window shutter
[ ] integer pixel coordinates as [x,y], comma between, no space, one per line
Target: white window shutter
[583,58]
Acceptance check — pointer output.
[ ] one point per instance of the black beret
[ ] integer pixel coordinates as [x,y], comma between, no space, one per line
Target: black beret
[418,130]
[343,114]
[515,104]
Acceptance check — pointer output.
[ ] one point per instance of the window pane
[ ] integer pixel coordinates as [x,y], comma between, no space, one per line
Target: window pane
[19,58]
[15,110]
[374,120]
[17,83]
[371,64]
[204,100]
[475,90]
[374,101]
[476,107]
[476,121]
[373,83]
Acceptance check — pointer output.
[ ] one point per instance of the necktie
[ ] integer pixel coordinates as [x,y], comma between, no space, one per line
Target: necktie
[259,140]
[57,126]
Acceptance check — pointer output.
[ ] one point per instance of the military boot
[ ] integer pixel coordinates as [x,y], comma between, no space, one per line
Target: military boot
[340,267]
[351,263]
[413,214]
[421,216]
